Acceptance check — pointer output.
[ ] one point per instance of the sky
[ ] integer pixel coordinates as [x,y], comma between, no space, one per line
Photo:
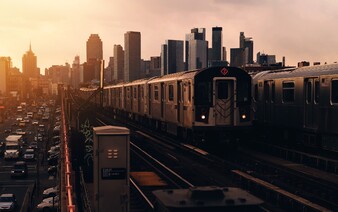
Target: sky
[300,30]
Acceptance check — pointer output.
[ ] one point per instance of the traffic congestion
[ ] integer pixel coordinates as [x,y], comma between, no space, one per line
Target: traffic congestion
[29,154]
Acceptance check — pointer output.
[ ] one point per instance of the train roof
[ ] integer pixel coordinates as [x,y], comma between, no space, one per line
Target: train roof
[307,71]
[173,76]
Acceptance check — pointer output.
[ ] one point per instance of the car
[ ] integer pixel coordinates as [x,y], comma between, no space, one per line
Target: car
[29,154]
[53,159]
[52,170]
[33,145]
[48,204]
[19,118]
[38,137]
[50,192]
[54,149]
[20,132]
[8,202]
[35,122]
[8,130]
[19,169]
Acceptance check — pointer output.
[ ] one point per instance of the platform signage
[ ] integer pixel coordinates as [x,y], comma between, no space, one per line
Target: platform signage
[113,173]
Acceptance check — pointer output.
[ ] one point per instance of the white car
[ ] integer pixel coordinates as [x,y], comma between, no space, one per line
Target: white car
[49,203]
[29,154]
[35,122]
[7,202]
[50,192]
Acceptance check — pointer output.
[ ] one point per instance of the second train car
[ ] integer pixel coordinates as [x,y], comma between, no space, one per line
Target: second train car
[198,106]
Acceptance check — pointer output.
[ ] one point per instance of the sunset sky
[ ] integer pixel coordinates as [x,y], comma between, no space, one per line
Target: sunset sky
[58,30]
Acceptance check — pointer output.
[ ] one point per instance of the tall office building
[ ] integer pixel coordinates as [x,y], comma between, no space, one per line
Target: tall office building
[5,66]
[29,64]
[118,63]
[109,71]
[132,56]
[238,57]
[195,34]
[246,43]
[198,54]
[94,48]
[217,44]
[164,59]
[172,57]
[92,68]
[75,74]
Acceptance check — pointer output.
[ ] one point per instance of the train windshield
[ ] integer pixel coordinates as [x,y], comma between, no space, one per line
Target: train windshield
[243,93]
[203,95]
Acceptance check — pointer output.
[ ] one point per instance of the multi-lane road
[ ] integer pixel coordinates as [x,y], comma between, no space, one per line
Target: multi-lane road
[28,190]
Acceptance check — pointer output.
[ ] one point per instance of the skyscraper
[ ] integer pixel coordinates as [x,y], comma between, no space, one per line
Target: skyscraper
[118,63]
[238,57]
[94,48]
[75,74]
[5,65]
[198,54]
[217,44]
[92,67]
[29,64]
[172,57]
[132,56]
[246,43]
[195,34]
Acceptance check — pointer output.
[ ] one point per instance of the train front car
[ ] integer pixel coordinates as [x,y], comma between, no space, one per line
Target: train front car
[222,105]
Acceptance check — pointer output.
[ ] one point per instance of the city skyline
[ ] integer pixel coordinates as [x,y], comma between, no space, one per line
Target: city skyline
[57,31]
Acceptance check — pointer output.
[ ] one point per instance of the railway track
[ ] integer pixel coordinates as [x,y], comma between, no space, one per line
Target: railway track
[285,188]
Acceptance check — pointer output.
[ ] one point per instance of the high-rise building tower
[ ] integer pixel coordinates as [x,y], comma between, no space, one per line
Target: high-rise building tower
[5,66]
[172,57]
[75,74]
[118,63]
[195,34]
[198,54]
[94,48]
[217,44]
[29,64]
[246,43]
[132,56]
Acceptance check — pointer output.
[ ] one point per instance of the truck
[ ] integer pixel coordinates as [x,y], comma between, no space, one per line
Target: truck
[13,146]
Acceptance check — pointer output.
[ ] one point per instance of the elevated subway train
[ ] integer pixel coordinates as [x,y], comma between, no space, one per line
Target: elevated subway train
[198,106]
[298,105]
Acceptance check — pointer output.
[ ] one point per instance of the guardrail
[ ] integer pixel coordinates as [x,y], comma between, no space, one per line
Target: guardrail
[66,163]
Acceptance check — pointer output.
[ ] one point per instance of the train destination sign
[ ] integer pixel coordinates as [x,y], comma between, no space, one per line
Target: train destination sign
[113,173]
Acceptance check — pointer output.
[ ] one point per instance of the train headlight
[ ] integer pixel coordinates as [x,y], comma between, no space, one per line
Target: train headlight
[203,117]
[243,116]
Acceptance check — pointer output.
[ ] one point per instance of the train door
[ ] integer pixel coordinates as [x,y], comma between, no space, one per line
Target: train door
[179,97]
[224,100]
[149,99]
[139,100]
[311,100]
[268,99]
[162,99]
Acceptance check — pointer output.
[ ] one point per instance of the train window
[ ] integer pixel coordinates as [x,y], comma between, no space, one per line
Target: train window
[316,91]
[142,92]
[308,92]
[135,93]
[273,89]
[256,92]
[266,91]
[222,90]
[288,91]
[156,92]
[189,92]
[171,93]
[334,91]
